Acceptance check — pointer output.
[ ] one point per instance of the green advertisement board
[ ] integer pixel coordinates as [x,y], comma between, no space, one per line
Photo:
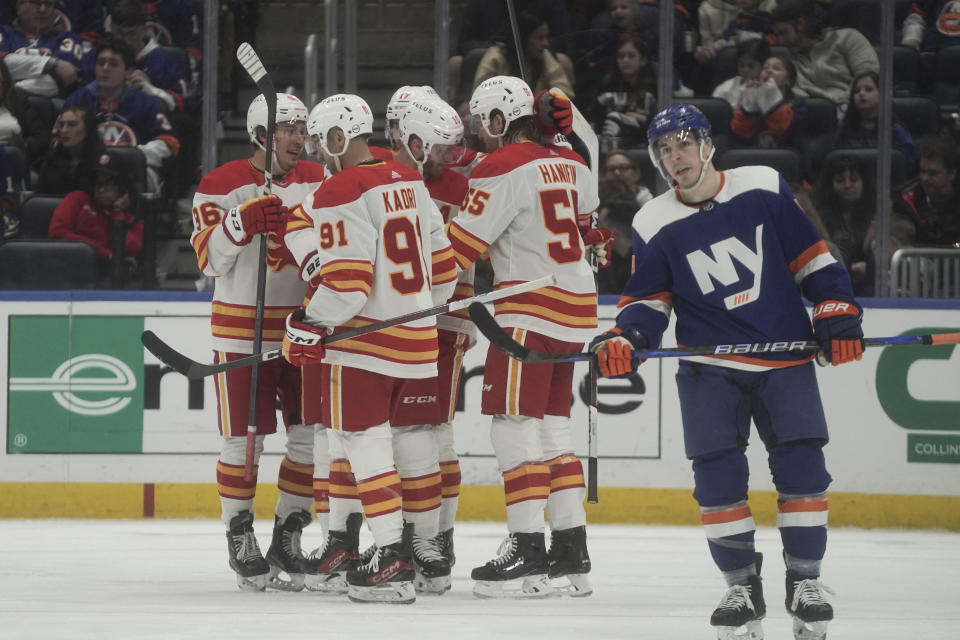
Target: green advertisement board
[75,384]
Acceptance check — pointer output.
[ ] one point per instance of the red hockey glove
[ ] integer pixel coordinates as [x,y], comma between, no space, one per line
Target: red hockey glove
[253,217]
[614,350]
[303,343]
[597,241]
[836,326]
[553,112]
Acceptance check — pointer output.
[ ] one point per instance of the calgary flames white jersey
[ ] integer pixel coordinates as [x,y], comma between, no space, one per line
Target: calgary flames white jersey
[235,267]
[523,208]
[381,253]
[448,191]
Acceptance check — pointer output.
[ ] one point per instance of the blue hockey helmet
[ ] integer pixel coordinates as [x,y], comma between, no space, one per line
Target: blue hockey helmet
[677,119]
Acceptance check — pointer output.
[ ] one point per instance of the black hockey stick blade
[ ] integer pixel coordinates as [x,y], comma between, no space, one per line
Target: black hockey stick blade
[501,339]
[193,369]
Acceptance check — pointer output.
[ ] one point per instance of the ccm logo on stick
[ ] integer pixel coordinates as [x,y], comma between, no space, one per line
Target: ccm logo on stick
[727,349]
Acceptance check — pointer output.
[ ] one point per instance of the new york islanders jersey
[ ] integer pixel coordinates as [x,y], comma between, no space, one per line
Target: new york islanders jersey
[63,45]
[382,253]
[132,120]
[523,207]
[236,267]
[732,267]
[448,191]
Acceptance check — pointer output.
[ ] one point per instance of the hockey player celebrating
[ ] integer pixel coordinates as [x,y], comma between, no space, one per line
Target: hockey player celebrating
[377,233]
[229,211]
[685,241]
[431,137]
[523,207]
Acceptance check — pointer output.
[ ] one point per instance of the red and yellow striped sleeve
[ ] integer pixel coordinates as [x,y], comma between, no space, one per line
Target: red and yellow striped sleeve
[347,276]
[444,268]
[467,248]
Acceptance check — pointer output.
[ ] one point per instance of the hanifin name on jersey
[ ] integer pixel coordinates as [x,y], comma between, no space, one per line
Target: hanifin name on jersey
[399,200]
[558,173]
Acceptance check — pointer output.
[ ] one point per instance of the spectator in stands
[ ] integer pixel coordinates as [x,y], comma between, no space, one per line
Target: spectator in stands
[84,17]
[846,200]
[859,126]
[126,116]
[621,172]
[827,60]
[627,97]
[717,16]
[101,218]
[931,25]
[934,203]
[542,69]
[751,54]
[485,24]
[10,130]
[157,72]
[770,114]
[617,216]
[69,163]
[171,22]
[43,58]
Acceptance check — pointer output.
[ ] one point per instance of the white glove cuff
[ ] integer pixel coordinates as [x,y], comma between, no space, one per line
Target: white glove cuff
[233,226]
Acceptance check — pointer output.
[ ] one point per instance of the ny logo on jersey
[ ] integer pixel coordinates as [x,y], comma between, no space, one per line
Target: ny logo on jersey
[721,268]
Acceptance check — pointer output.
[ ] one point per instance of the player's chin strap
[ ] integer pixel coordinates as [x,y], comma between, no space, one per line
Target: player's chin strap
[703,167]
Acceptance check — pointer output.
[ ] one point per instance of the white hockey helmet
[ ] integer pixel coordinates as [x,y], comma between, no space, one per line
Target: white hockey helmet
[350,113]
[403,96]
[289,109]
[438,126]
[509,95]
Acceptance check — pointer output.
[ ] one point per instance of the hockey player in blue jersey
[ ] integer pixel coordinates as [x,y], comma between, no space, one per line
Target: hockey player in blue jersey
[733,255]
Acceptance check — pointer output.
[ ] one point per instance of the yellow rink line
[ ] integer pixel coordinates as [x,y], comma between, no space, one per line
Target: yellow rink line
[617,505]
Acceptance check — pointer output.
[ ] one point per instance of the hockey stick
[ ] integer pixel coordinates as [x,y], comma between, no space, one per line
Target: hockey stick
[254,68]
[193,369]
[501,339]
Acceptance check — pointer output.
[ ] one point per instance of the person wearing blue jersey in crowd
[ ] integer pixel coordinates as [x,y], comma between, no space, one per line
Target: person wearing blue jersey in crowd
[734,255]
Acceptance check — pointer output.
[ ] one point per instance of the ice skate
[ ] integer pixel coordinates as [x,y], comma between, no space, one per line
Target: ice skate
[518,571]
[739,613]
[569,563]
[433,570]
[446,546]
[387,577]
[245,557]
[285,556]
[808,605]
[326,568]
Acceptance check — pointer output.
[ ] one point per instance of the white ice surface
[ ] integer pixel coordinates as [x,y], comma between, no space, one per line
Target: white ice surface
[169,579]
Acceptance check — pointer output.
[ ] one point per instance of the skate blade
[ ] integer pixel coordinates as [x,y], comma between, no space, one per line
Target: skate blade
[753,630]
[386,593]
[292,582]
[439,585]
[575,585]
[326,583]
[809,630]
[253,583]
[530,587]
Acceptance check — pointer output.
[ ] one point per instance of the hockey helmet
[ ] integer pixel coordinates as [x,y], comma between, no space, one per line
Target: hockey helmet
[289,109]
[350,113]
[438,126]
[403,96]
[509,95]
[680,119]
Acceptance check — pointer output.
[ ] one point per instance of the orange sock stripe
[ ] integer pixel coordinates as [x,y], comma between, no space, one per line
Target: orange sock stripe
[381,494]
[321,495]
[566,472]
[230,482]
[422,493]
[342,482]
[295,479]
[450,478]
[527,482]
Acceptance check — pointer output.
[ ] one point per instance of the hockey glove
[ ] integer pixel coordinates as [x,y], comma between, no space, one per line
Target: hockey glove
[303,343]
[255,216]
[836,326]
[597,241]
[614,350]
[554,112]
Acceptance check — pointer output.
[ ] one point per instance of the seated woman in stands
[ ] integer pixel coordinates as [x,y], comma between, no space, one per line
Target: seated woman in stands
[101,217]
[859,126]
[69,163]
[626,98]
[770,113]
